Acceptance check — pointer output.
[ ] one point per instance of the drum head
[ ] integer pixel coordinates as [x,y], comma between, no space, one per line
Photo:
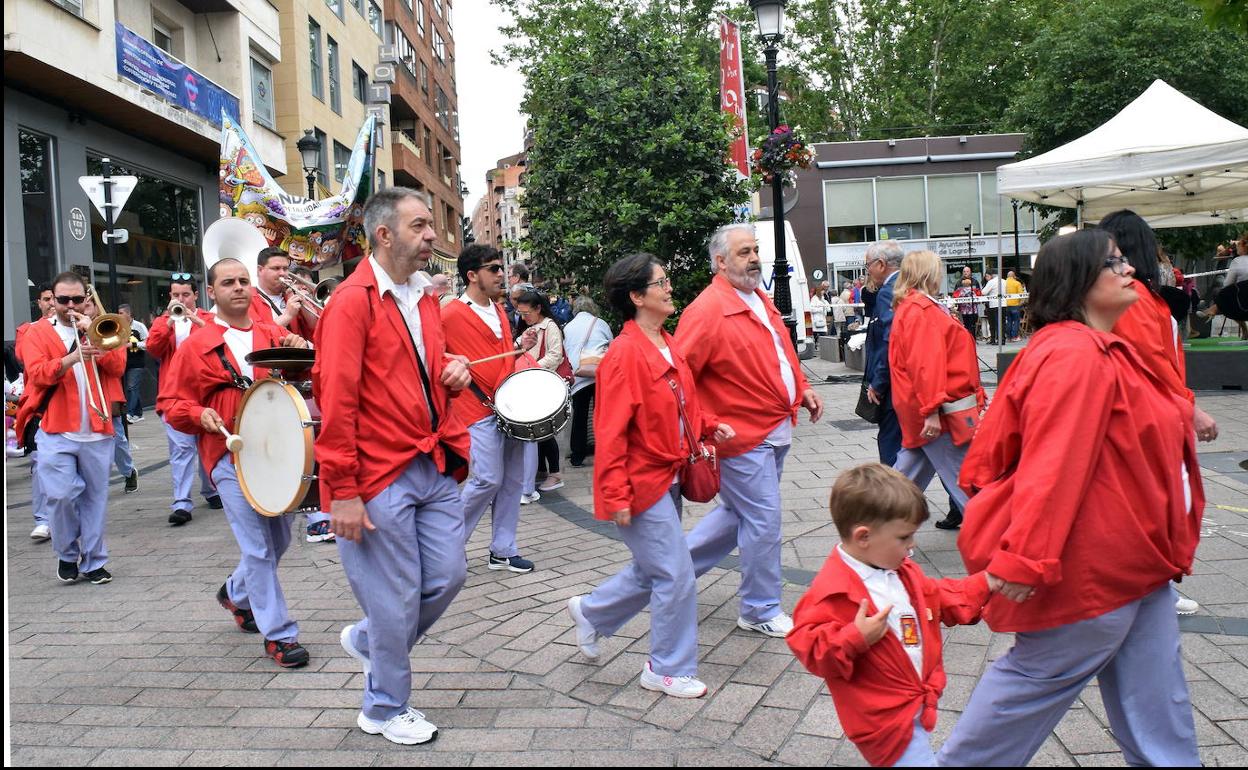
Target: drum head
[274,423]
[285,359]
[531,395]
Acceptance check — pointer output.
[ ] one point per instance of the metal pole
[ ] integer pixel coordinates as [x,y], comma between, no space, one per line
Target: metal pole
[782,292]
[106,171]
[312,186]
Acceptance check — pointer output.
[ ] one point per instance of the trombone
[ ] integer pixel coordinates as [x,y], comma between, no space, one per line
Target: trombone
[313,296]
[107,331]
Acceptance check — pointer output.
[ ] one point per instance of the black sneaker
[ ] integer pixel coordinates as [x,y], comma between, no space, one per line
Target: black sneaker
[512,564]
[179,517]
[243,618]
[952,521]
[214,502]
[132,481]
[286,654]
[99,576]
[66,571]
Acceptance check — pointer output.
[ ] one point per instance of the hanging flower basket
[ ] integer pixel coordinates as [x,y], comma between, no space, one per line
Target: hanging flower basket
[781,154]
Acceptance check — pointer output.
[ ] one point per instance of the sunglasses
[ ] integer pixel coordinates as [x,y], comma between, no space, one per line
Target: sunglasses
[180,276]
[492,268]
[77,299]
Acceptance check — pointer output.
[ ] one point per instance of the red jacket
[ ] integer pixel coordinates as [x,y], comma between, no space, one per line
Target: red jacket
[1075,481]
[1147,325]
[197,380]
[375,419]
[637,429]
[467,335]
[40,352]
[932,361]
[875,688]
[162,344]
[731,355]
[263,312]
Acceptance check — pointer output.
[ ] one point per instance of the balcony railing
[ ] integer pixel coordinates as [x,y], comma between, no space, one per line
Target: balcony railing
[403,140]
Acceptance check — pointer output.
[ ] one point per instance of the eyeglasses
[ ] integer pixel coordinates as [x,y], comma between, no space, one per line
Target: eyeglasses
[77,299]
[492,268]
[662,283]
[180,276]
[1118,265]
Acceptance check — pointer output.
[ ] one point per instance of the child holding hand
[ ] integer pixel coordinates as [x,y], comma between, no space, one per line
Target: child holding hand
[870,622]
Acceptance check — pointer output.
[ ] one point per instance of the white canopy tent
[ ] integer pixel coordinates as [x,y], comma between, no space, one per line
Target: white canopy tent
[1163,156]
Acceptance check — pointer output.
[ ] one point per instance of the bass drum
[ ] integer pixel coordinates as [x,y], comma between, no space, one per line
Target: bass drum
[276,467]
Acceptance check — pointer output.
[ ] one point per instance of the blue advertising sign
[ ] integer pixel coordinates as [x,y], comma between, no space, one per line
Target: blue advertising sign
[141,62]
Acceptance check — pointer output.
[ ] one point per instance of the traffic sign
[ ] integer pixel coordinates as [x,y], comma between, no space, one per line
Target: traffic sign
[93,186]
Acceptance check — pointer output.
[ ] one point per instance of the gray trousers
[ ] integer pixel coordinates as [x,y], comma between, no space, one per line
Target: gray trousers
[662,573]
[121,448]
[183,463]
[38,500]
[497,481]
[938,456]
[74,479]
[261,542]
[1134,654]
[404,574]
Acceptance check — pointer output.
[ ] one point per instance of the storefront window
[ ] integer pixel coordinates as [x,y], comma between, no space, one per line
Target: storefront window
[164,222]
[849,211]
[38,211]
[902,214]
[953,203]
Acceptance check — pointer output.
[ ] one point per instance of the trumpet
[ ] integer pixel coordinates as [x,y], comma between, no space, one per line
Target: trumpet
[177,310]
[312,295]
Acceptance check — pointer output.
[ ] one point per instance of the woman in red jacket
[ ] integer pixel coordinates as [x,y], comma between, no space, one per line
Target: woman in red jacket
[640,451]
[1086,491]
[1151,329]
[935,375]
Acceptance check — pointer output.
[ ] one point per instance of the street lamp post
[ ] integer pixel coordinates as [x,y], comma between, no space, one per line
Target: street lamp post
[770,17]
[310,155]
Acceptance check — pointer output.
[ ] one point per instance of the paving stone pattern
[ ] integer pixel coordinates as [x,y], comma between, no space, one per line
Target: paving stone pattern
[148,670]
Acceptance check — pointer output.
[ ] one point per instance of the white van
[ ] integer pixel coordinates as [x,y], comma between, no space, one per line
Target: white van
[765,231]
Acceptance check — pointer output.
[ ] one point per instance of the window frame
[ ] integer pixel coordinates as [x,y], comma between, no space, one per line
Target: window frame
[269,121]
[315,63]
[332,63]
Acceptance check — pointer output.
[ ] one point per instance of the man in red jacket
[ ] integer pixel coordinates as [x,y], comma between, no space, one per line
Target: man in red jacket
[75,431]
[203,396]
[167,336]
[476,327]
[747,373]
[390,448]
[42,530]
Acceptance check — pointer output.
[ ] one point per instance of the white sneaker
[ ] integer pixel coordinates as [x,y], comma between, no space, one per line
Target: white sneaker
[675,686]
[344,639]
[408,728]
[533,498]
[586,636]
[40,533]
[11,450]
[1183,606]
[551,483]
[779,626]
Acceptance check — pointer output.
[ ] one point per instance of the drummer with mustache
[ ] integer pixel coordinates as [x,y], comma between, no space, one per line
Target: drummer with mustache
[390,452]
[477,327]
[207,381]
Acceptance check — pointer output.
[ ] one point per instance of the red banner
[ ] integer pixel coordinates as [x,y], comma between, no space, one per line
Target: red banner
[732,91]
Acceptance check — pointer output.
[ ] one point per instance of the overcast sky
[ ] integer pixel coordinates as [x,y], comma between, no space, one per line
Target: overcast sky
[490,123]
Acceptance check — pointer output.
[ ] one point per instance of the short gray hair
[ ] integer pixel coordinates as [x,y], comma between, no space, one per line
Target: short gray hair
[382,208]
[585,304]
[889,251]
[719,240]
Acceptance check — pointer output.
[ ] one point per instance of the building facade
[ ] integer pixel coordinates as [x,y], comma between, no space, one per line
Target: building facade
[498,218]
[936,193]
[143,83]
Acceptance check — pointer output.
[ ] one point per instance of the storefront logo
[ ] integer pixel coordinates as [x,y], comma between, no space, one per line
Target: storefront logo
[78,224]
[192,88]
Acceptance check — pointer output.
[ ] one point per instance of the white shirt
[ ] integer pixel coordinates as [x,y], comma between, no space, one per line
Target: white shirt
[487,313]
[992,290]
[274,300]
[819,308]
[69,335]
[182,329]
[407,296]
[240,342]
[886,588]
[782,435]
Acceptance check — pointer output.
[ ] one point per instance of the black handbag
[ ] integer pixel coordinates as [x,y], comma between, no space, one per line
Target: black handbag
[872,413]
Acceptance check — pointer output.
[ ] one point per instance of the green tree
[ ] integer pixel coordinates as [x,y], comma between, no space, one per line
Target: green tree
[629,145]
[1227,14]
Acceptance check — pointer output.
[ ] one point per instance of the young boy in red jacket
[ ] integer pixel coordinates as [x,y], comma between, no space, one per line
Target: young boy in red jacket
[870,623]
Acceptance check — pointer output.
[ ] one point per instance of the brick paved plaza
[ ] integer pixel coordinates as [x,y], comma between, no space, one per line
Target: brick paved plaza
[148,670]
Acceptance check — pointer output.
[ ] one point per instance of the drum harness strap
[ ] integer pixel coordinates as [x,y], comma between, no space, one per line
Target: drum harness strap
[420,366]
[239,381]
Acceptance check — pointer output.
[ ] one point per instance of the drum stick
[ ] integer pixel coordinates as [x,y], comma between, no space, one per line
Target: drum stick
[233,441]
[495,357]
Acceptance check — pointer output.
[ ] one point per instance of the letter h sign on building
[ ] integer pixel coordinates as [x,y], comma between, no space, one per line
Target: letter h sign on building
[732,92]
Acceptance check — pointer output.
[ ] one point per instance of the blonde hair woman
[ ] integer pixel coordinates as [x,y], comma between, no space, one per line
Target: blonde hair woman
[935,380]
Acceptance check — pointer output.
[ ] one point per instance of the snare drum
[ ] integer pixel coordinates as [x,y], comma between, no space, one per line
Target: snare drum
[276,467]
[532,405]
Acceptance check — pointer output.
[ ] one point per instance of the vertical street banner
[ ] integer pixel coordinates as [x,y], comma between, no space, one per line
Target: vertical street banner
[732,92]
[317,233]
